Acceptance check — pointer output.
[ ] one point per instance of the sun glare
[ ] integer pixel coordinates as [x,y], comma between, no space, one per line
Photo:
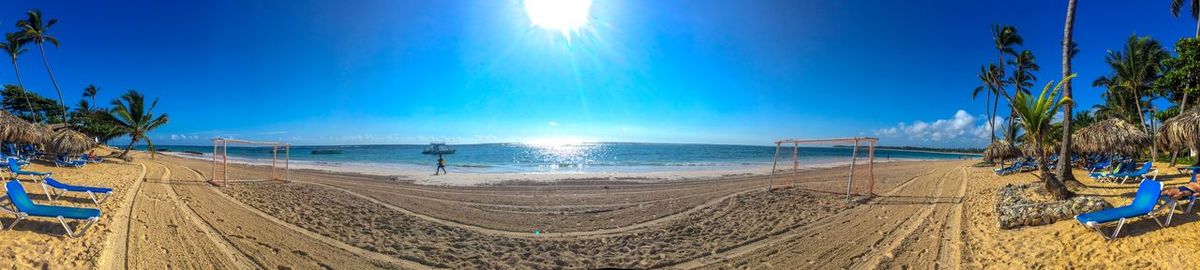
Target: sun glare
[564,16]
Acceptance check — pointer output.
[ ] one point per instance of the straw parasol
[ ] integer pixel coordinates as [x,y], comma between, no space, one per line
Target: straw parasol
[1000,149]
[1110,136]
[66,141]
[1029,150]
[15,129]
[1183,130]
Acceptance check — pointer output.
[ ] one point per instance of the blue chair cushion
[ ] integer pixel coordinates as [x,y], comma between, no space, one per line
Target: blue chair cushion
[60,185]
[21,201]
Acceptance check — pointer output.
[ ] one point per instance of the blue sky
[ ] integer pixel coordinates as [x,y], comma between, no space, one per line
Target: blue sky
[742,72]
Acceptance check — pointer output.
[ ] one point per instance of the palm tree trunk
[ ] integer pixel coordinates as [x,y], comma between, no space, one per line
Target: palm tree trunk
[130,146]
[32,112]
[1183,105]
[1141,115]
[42,49]
[1064,156]
[992,122]
[987,109]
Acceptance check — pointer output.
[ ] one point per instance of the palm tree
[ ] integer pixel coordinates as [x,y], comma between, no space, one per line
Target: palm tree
[1069,50]
[134,119]
[992,77]
[1081,119]
[1177,6]
[1024,64]
[90,92]
[1036,114]
[1005,38]
[33,30]
[1134,71]
[14,46]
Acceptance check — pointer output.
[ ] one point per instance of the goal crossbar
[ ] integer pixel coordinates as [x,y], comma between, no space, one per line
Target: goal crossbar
[220,159]
[857,141]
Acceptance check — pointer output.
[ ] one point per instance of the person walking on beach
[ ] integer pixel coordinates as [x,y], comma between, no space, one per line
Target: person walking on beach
[441,166]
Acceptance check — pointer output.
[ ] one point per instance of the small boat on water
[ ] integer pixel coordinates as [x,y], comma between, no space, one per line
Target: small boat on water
[438,148]
[326,151]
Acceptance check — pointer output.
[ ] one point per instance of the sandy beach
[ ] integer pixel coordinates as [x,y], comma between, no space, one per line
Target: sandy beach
[927,214]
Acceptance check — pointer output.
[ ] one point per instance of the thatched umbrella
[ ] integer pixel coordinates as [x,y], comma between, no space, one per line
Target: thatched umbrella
[1110,136]
[15,129]
[1000,149]
[1030,151]
[67,141]
[1183,130]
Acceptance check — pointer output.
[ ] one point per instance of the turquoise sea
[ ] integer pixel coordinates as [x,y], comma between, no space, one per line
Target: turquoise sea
[580,157]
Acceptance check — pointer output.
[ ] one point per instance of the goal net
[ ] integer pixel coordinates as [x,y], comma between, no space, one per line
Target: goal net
[248,161]
[853,176]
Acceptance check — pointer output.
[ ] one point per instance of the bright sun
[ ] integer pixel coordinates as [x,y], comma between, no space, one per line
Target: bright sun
[560,15]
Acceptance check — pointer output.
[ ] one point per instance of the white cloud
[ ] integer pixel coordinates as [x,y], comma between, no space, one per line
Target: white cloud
[552,124]
[961,128]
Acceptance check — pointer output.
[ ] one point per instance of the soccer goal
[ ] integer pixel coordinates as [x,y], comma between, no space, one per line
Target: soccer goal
[255,155]
[862,185]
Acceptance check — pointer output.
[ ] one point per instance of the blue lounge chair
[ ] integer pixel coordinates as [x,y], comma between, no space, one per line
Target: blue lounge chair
[1007,170]
[89,158]
[1142,173]
[62,161]
[16,170]
[25,208]
[20,161]
[1191,200]
[1143,205]
[1099,166]
[1187,169]
[50,184]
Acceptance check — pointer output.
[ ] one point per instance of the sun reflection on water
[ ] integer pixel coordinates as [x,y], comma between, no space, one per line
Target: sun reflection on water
[560,154]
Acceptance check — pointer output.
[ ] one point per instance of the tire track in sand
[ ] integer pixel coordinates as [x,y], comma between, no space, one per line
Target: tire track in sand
[312,235]
[584,234]
[116,243]
[903,235]
[222,242]
[787,238]
[549,235]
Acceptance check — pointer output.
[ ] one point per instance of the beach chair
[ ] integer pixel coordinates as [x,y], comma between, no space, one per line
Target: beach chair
[1119,168]
[24,208]
[16,170]
[89,158]
[1014,168]
[1139,174]
[20,161]
[50,184]
[1099,166]
[1191,200]
[62,161]
[1143,205]
[1187,169]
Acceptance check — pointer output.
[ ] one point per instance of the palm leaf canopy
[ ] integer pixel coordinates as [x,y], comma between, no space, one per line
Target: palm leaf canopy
[66,141]
[15,129]
[1110,136]
[1183,130]
[1001,149]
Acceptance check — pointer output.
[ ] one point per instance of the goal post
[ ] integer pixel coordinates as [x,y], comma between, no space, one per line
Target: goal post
[858,142]
[256,153]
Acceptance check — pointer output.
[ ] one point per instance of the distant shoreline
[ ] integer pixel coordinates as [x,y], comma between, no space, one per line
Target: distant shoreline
[933,152]
[930,151]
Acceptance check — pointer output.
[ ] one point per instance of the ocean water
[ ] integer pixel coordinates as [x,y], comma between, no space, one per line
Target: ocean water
[582,157]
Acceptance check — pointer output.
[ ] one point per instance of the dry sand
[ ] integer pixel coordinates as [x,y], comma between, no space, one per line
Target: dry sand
[927,215]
